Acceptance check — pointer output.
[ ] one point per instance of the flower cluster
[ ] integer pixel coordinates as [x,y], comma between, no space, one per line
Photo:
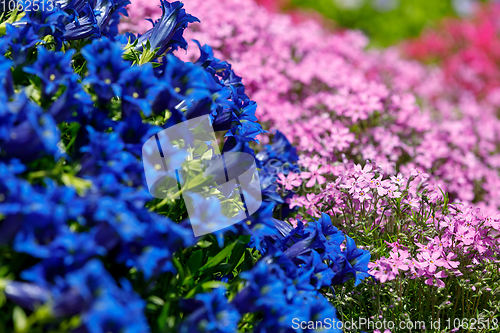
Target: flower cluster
[432,148]
[84,246]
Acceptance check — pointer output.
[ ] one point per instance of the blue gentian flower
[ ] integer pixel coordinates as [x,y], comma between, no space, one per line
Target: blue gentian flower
[22,39]
[140,89]
[214,314]
[24,124]
[104,64]
[53,68]
[166,33]
[84,25]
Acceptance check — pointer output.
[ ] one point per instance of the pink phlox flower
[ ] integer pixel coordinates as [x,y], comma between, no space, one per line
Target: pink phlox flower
[398,180]
[431,260]
[296,201]
[493,221]
[314,175]
[380,185]
[417,172]
[413,202]
[395,245]
[414,266]
[424,247]
[435,194]
[392,191]
[351,184]
[363,194]
[399,261]
[290,181]
[449,263]
[438,244]
[435,280]
[383,271]
[465,234]
[340,138]
[307,161]
[363,170]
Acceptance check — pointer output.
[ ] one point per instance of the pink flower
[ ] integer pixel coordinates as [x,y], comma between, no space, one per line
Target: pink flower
[431,260]
[296,201]
[363,170]
[399,261]
[417,172]
[314,175]
[383,273]
[398,180]
[392,192]
[413,202]
[290,181]
[449,263]
[351,184]
[380,185]
[435,280]
[363,194]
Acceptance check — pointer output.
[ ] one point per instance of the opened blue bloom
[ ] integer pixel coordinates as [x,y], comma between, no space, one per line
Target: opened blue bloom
[53,68]
[213,315]
[22,39]
[25,125]
[104,64]
[140,89]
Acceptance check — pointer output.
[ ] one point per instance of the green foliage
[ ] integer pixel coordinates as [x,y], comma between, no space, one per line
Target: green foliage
[384,27]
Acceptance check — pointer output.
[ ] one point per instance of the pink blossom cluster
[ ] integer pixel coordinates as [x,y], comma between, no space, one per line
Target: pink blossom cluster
[330,96]
[458,238]
[468,50]
[442,240]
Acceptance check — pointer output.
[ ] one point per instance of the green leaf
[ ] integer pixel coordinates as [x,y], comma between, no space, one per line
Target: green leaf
[209,285]
[20,320]
[195,261]
[214,261]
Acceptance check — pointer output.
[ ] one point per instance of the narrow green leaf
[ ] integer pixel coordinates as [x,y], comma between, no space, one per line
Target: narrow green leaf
[217,259]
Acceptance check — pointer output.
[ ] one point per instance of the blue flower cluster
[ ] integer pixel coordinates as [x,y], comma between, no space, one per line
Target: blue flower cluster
[74,114]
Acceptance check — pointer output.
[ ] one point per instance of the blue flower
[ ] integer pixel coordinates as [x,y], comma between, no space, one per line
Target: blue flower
[166,33]
[102,304]
[107,13]
[280,150]
[356,264]
[53,68]
[104,64]
[46,22]
[213,315]
[6,82]
[140,89]
[22,39]
[73,104]
[84,24]
[185,90]
[25,125]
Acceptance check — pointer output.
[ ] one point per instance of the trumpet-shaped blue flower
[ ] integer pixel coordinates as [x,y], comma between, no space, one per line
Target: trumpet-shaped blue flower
[104,64]
[166,33]
[53,68]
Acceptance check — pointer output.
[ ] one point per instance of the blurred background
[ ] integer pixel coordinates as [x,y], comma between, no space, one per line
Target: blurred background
[385,22]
